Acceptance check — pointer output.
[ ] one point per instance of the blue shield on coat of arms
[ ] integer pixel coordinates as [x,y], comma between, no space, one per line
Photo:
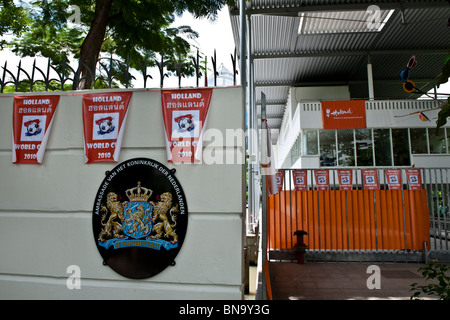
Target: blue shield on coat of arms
[137,219]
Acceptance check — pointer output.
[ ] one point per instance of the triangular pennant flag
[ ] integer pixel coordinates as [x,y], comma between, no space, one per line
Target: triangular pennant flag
[104,118]
[185,113]
[32,122]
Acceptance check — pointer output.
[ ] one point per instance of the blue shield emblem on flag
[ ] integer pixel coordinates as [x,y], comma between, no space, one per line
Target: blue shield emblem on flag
[137,219]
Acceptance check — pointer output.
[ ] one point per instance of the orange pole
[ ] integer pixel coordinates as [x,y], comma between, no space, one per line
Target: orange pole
[351,225]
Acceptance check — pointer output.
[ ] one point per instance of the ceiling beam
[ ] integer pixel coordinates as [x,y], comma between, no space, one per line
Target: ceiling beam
[284,55]
[294,10]
[332,83]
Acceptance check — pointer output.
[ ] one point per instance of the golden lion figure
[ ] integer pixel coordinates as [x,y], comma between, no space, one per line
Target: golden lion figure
[161,209]
[112,228]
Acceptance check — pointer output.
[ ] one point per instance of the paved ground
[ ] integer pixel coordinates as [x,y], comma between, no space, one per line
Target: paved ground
[343,281]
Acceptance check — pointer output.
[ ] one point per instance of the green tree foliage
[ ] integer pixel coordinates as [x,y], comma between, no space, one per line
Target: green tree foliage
[12,18]
[438,275]
[134,30]
[445,110]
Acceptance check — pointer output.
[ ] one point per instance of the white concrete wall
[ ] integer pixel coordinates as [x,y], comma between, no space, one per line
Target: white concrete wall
[46,210]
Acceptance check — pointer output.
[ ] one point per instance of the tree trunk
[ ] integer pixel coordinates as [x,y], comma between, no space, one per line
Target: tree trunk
[90,49]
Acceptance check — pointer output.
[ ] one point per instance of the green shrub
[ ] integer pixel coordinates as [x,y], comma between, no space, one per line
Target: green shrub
[440,285]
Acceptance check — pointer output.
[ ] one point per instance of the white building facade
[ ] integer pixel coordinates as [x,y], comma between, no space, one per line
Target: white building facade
[397,133]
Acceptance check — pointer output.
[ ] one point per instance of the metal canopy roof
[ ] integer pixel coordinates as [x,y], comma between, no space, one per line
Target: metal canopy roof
[326,42]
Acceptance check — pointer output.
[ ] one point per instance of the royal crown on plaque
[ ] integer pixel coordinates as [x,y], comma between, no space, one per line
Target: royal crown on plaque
[138,193]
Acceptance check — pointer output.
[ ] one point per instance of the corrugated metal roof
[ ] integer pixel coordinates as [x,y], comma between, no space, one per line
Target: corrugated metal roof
[332,22]
[339,54]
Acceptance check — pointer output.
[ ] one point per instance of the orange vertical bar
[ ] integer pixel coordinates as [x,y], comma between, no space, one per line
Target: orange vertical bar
[292,218]
[327,219]
[351,225]
[371,220]
[287,215]
[362,219]
[338,228]
[298,211]
[269,219]
[288,228]
[333,220]
[368,211]
[416,245]
[346,211]
[401,236]
[272,221]
[398,226]
[409,233]
[311,220]
[420,222]
[387,221]
[365,218]
[375,210]
[316,219]
[282,219]
[305,225]
[321,207]
[381,221]
[356,229]
[391,222]
[278,222]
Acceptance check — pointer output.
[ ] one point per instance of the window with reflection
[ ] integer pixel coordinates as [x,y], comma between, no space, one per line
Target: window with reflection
[327,148]
[364,147]
[400,145]
[310,146]
[382,141]
[418,140]
[437,140]
[346,147]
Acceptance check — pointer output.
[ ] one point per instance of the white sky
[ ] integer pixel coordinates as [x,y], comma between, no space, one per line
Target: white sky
[212,35]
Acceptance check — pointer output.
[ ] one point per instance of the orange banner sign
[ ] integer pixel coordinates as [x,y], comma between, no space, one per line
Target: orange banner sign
[370,179]
[414,179]
[322,179]
[300,180]
[345,180]
[344,114]
[394,179]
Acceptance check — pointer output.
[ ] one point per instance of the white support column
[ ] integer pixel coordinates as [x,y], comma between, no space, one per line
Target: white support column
[243,64]
[370,79]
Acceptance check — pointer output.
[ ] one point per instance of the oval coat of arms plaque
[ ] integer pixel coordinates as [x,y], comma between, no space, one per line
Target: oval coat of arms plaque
[139,218]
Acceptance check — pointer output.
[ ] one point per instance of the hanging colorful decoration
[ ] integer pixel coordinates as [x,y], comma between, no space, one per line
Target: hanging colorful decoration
[423,117]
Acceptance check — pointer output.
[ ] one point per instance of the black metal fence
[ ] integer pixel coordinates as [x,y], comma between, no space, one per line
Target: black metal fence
[55,77]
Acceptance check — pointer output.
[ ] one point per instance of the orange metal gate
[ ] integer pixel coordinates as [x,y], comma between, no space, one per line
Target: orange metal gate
[349,220]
